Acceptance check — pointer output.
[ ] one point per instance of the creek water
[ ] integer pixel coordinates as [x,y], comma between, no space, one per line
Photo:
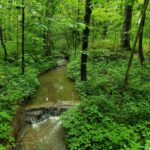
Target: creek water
[54,87]
[48,134]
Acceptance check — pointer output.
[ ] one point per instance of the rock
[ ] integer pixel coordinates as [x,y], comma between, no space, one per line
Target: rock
[39,114]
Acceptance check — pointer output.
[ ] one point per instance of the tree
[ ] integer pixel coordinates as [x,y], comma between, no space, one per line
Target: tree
[3,44]
[105,26]
[86,32]
[141,55]
[125,36]
[23,47]
[143,13]
[17,35]
[47,32]
[51,6]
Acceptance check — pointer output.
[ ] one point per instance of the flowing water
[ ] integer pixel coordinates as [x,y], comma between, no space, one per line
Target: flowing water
[54,87]
[48,134]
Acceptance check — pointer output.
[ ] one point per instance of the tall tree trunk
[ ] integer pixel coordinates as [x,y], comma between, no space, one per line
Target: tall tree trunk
[143,12]
[3,44]
[76,33]
[10,20]
[23,47]
[86,32]
[105,25]
[125,37]
[141,55]
[78,11]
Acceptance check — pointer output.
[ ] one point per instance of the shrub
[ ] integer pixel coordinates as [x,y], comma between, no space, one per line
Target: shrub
[14,88]
[109,118]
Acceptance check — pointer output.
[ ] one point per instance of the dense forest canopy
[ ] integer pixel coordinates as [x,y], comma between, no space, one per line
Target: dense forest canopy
[107,44]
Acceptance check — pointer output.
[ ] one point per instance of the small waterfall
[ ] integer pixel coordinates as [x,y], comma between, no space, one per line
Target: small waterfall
[43,129]
[44,134]
[36,124]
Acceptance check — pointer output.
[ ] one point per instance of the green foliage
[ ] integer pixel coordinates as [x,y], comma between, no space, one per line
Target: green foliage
[88,129]
[73,70]
[107,117]
[2,147]
[15,88]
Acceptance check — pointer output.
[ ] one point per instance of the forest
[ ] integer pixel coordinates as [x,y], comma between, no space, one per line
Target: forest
[102,91]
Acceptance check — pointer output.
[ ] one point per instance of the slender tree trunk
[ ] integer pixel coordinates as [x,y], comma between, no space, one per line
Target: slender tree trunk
[78,11]
[125,37]
[17,38]
[105,30]
[47,32]
[143,12]
[75,42]
[23,47]
[105,26]
[79,19]
[47,43]
[76,33]
[141,55]
[3,44]
[10,21]
[86,32]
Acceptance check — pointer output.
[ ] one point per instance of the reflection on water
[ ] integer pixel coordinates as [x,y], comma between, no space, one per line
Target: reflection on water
[54,87]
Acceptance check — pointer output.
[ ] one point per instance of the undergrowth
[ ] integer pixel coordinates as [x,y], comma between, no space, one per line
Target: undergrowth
[109,118]
[15,88]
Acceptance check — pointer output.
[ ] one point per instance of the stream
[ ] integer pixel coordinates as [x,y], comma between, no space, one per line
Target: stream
[42,128]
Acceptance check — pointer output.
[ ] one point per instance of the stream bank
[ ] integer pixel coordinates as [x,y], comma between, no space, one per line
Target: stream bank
[41,127]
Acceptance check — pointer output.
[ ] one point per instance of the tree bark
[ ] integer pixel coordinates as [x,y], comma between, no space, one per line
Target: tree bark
[125,37]
[85,38]
[143,12]
[141,55]
[3,44]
